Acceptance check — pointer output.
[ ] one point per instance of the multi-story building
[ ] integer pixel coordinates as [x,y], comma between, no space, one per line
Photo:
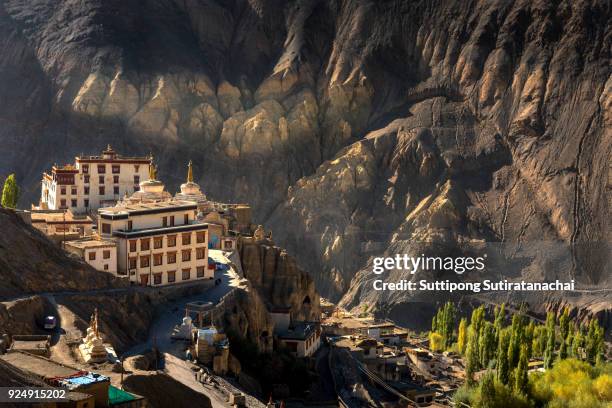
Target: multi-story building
[93,181]
[158,243]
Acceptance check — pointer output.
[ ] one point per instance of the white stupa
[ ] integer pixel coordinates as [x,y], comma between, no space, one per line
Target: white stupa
[151,190]
[191,191]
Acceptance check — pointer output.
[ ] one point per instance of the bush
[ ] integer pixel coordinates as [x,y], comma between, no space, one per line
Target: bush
[573,384]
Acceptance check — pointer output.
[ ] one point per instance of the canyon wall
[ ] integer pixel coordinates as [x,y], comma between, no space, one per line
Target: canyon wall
[353,128]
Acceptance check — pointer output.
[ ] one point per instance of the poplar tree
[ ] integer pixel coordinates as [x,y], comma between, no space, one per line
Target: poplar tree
[594,342]
[462,336]
[515,340]
[550,340]
[564,332]
[471,355]
[10,192]
[520,375]
[503,368]
[487,344]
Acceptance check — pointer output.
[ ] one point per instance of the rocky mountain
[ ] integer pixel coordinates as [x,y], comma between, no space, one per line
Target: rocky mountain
[354,128]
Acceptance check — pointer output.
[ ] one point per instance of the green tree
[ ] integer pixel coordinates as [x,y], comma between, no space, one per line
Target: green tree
[594,344]
[550,340]
[462,336]
[10,192]
[539,341]
[520,376]
[471,355]
[564,324]
[516,340]
[577,345]
[503,368]
[487,345]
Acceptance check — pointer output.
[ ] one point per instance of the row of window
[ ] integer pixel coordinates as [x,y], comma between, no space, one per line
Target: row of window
[158,259]
[102,180]
[171,275]
[158,242]
[115,168]
[101,190]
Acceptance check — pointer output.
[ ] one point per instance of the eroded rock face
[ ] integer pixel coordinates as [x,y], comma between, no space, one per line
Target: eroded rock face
[352,128]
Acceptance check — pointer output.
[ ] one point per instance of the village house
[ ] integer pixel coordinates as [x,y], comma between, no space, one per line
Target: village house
[92,182]
[387,333]
[101,254]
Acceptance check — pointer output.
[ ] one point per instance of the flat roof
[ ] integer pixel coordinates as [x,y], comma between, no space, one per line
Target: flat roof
[298,331]
[39,366]
[122,212]
[91,243]
[159,231]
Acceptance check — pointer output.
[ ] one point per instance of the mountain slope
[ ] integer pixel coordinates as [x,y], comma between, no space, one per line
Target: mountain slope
[354,128]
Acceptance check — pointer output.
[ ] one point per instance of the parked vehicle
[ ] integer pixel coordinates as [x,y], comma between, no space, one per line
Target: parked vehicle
[50,323]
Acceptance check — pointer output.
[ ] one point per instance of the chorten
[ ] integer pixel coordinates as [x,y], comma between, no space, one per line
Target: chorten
[190,190]
[93,349]
[151,190]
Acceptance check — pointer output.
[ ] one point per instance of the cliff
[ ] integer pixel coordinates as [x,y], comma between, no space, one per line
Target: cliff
[354,128]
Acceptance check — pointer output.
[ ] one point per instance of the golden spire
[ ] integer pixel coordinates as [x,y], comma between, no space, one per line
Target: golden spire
[152,172]
[190,172]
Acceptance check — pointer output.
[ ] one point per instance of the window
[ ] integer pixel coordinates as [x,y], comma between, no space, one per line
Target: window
[132,263]
[133,245]
[136,167]
[106,267]
[63,203]
[157,279]
[200,237]
[101,190]
[171,276]
[73,190]
[106,228]
[164,221]
[144,261]
[172,220]
[87,179]
[130,225]
[101,168]
[186,274]
[171,257]
[116,179]
[115,189]
[158,242]
[86,170]
[186,219]
[136,179]
[86,189]
[200,253]
[73,203]
[106,254]
[101,179]
[116,169]
[157,259]
[86,202]
[144,244]
[200,271]
[92,256]
[186,255]
[136,187]
[171,240]
[186,239]
[63,191]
